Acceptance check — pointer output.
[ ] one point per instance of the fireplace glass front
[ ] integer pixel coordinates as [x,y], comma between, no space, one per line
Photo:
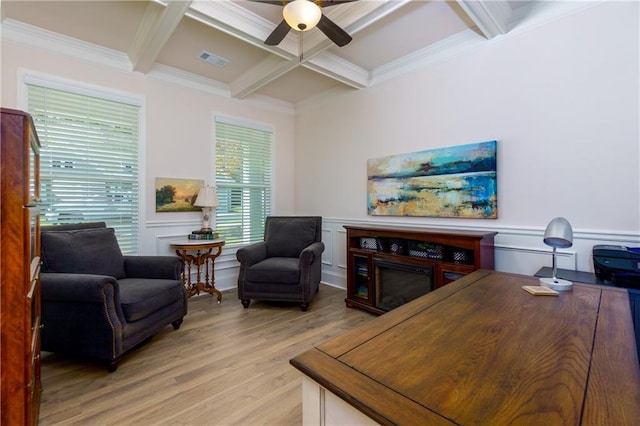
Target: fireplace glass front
[399,283]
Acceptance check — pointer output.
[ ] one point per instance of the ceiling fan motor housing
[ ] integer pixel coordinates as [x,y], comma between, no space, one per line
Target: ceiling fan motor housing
[302,15]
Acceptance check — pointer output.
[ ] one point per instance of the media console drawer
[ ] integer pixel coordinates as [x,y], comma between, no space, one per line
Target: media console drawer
[387,267]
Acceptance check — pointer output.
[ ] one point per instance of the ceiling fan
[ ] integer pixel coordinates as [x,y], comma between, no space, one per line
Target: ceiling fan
[303,15]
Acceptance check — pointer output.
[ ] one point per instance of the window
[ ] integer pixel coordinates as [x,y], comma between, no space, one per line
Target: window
[243,180]
[89,159]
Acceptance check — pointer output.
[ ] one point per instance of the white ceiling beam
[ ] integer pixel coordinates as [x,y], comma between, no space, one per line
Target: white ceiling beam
[315,58]
[232,19]
[154,31]
[353,17]
[491,16]
[249,27]
[350,74]
[264,73]
[339,69]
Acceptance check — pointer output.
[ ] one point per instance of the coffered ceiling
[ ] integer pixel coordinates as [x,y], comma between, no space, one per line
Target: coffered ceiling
[389,37]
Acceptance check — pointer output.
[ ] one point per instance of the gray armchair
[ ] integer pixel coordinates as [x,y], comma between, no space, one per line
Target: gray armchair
[98,303]
[286,266]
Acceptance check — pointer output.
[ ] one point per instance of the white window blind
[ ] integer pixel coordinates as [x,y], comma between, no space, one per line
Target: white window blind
[243,180]
[89,160]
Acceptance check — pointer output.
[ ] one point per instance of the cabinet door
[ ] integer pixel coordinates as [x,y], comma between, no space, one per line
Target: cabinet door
[446,273]
[362,279]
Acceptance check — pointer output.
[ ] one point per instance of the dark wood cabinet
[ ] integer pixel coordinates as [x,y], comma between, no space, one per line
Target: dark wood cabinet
[435,257]
[20,282]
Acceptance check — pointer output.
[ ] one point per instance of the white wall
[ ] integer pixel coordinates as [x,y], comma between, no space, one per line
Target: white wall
[562,101]
[178,124]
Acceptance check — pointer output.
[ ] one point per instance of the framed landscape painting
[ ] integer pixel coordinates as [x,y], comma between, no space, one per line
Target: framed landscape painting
[177,195]
[458,181]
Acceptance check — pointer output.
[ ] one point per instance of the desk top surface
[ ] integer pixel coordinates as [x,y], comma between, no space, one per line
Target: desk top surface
[483,351]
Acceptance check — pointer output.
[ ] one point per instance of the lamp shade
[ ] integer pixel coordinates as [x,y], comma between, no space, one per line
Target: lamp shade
[558,233]
[207,197]
[302,15]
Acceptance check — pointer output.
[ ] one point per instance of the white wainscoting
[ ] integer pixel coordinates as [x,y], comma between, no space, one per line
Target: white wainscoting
[517,250]
[160,234]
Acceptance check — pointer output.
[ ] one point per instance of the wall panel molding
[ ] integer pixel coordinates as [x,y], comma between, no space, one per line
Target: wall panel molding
[518,250]
[173,223]
[327,255]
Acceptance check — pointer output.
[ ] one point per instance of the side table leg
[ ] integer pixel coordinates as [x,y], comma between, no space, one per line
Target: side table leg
[211,280]
[191,289]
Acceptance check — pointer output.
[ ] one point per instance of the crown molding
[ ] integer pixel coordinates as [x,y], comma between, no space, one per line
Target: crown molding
[178,77]
[454,45]
[38,38]
[525,19]
[255,28]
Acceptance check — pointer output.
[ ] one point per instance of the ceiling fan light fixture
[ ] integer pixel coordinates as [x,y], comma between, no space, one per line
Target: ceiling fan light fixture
[302,15]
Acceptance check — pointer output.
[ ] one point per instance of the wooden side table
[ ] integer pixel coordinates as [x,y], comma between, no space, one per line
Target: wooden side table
[204,255]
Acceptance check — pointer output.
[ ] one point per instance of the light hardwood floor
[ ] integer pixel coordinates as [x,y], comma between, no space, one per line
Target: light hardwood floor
[225,366]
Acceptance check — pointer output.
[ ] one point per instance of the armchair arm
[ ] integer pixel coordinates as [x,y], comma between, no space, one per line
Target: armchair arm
[81,314]
[311,253]
[252,253]
[84,288]
[161,267]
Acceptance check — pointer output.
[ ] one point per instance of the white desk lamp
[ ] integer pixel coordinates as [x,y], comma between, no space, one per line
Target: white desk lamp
[557,235]
[207,199]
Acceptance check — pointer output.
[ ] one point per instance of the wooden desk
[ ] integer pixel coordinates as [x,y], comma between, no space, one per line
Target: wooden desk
[573,276]
[483,351]
[589,278]
[204,256]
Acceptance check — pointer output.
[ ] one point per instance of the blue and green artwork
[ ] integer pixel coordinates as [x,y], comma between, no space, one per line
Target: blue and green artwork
[458,181]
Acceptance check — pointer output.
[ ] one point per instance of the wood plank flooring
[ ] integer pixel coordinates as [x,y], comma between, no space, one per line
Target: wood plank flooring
[225,366]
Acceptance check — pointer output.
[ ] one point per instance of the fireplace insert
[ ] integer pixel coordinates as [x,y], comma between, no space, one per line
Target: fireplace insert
[399,283]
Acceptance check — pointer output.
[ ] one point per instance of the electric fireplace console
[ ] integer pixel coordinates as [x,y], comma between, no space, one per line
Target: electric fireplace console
[388,267]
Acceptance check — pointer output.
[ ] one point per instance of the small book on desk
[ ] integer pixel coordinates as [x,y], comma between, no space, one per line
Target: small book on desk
[538,290]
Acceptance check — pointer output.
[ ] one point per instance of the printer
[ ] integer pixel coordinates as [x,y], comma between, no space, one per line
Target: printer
[618,264]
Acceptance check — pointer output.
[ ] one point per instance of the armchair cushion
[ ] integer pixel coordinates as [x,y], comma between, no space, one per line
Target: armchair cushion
[284,270]
[165,267]
[101,253]
[140,297]
[287,238]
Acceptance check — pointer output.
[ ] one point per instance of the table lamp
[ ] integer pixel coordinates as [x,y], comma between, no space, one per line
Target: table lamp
[557,235]
[207,199]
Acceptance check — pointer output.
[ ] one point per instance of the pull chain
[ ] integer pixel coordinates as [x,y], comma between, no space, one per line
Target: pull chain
[300,45]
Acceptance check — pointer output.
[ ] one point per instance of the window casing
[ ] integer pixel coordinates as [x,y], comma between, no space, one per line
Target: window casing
[243,180]
[89,158]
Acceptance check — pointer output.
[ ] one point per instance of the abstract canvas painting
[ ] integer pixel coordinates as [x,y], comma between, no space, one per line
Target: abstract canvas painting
[458,181]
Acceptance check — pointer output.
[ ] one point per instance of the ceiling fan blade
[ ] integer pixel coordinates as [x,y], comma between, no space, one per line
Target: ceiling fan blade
[333,31]
[327,3]
[276,2]
[278,34]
